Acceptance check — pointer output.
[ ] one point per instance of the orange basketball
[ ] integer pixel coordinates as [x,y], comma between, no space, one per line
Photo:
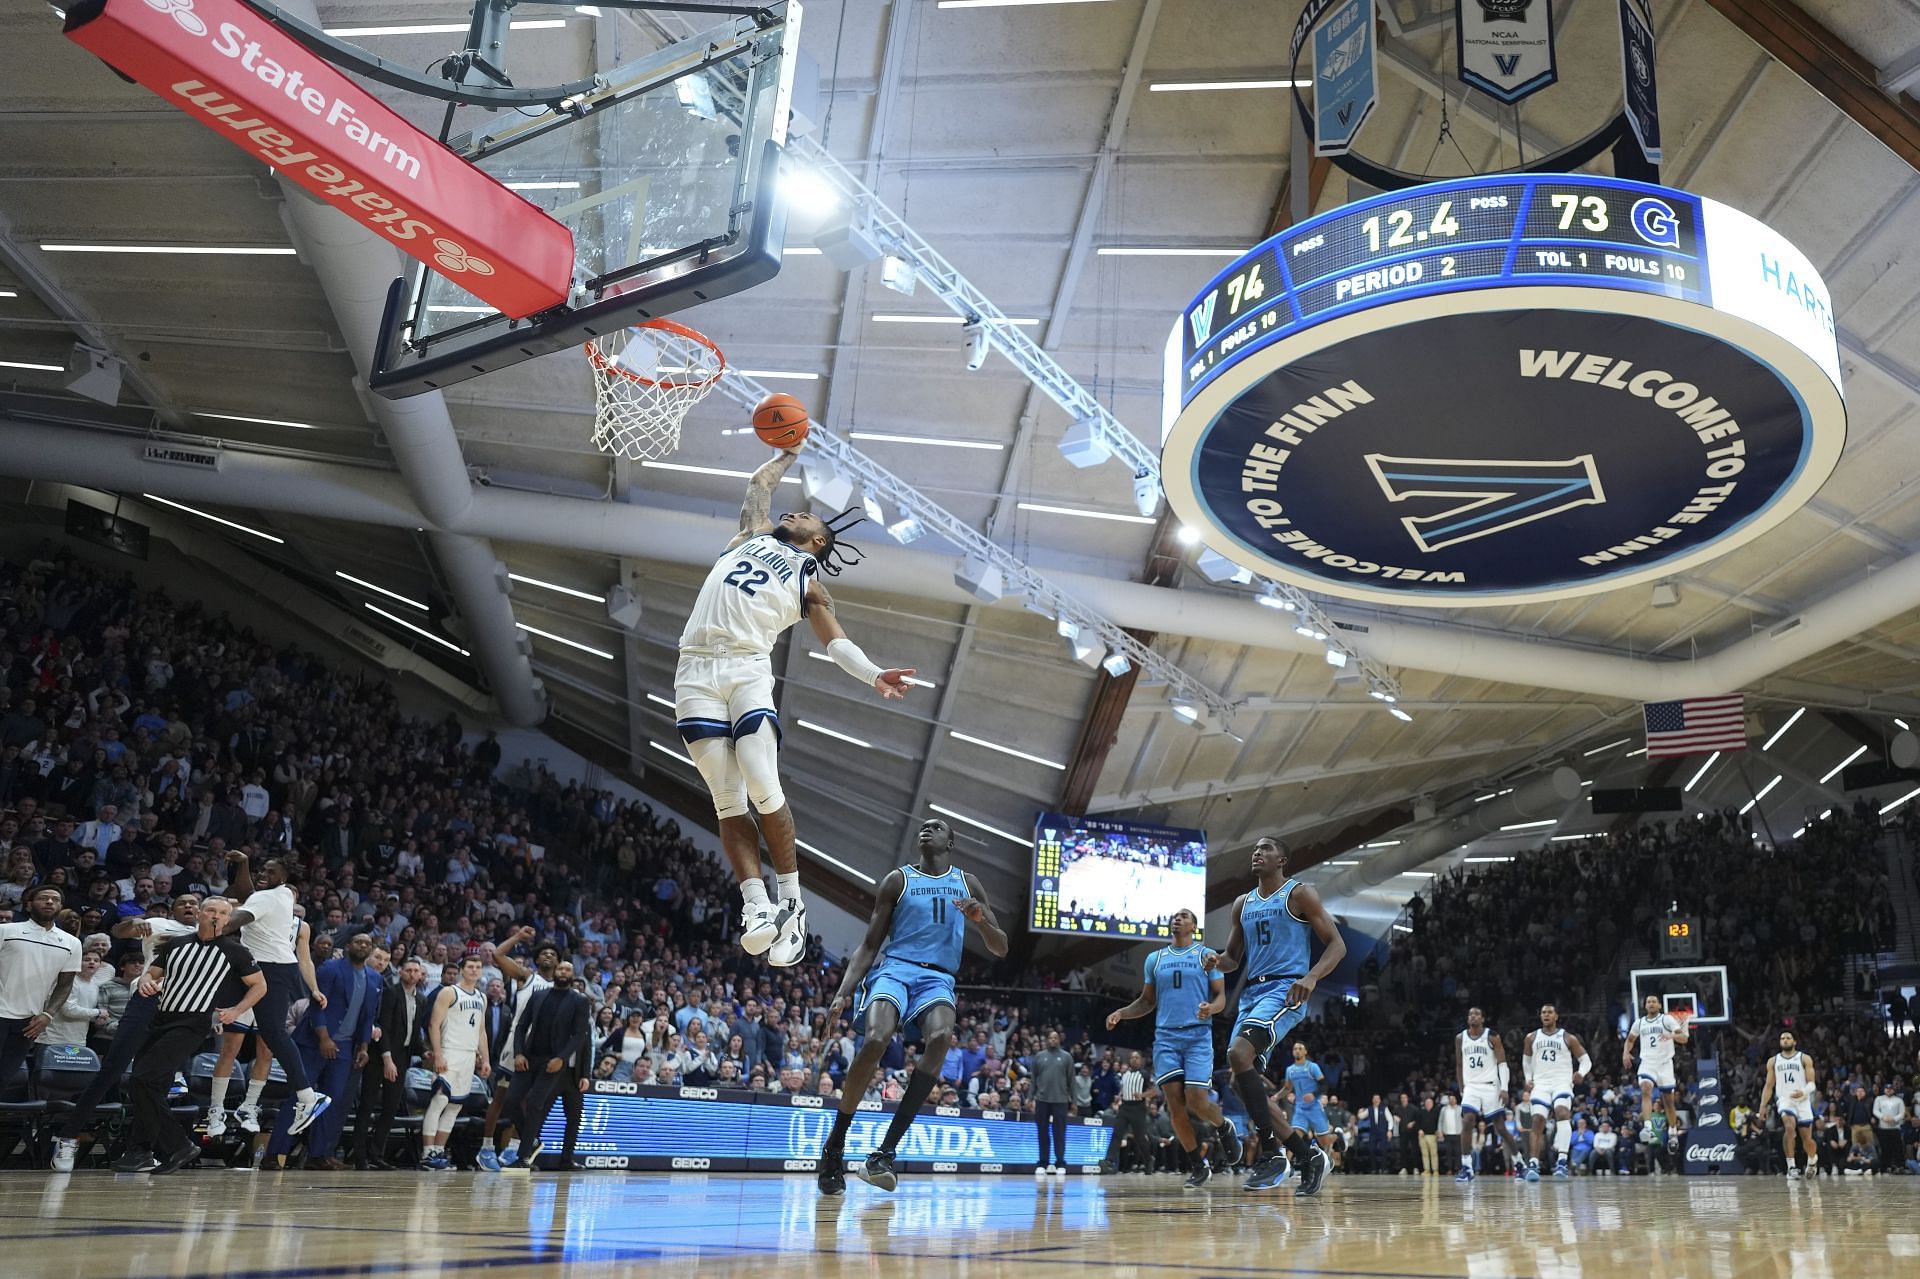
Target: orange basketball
[781,421]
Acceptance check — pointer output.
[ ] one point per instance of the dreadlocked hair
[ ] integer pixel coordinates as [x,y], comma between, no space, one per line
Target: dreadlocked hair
[833,556]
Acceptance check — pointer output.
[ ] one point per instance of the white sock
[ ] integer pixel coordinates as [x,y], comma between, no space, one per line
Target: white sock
[256,1088]
[1562,1137]
[789,886]
[755,892]
[217,1099]
[513,1145]
[307,1096]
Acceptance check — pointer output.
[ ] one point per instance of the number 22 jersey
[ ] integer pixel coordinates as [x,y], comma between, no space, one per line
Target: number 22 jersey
[751,596]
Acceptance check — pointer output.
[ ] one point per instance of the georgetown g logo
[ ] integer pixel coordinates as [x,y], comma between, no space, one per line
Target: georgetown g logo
[1486,496]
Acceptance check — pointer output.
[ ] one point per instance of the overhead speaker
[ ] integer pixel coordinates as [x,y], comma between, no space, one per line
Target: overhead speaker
[94,374]
[979,579]
[623,607]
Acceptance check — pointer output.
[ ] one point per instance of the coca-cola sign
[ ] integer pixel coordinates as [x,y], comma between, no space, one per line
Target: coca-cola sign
[234,72]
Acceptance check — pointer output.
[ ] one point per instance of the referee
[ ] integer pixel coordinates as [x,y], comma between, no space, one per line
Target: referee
[195,978]
[1132,1117]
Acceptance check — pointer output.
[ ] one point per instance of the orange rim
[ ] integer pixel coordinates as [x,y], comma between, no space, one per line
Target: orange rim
[604,365]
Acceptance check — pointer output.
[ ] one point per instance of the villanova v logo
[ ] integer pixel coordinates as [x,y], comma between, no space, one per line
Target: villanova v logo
[1488,496]
[1202,318]
[1507,62]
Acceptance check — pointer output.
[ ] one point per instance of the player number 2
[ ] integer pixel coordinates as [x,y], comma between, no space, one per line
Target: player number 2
[747,577]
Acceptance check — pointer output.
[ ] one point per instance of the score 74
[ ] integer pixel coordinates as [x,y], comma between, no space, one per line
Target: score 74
[1245,289]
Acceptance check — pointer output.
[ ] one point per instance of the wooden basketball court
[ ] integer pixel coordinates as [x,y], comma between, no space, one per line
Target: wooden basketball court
[318,1226]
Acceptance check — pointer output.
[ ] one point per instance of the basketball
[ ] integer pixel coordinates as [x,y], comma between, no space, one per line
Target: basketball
[781,421]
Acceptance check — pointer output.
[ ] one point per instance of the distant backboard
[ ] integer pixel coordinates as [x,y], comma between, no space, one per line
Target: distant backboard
[667,176]
[1701,992]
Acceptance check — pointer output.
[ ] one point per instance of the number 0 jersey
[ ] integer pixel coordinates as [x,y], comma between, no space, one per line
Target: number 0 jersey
[752,595]
[928,928]
[1180,986]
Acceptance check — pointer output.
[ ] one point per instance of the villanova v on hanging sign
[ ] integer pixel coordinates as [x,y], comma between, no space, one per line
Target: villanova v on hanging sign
[1502,390]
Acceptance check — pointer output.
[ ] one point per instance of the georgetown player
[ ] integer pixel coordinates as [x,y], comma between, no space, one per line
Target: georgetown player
[1551,1054]
[1304,1077]
[1790,1083]
[1183,1039]
[723,694]
[1484,1079]
[1270,927]
[918,930]
[1656,1033]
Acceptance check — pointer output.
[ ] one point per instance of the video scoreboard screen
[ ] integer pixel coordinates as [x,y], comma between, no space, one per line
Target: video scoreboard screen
[1450,236]
[1115,879]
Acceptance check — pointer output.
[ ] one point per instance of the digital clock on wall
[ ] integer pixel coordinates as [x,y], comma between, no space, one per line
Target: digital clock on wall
[1680,937]
[1501,390]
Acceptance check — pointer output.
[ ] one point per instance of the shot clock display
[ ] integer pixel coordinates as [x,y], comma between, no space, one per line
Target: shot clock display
[1451,235]
[1680,937]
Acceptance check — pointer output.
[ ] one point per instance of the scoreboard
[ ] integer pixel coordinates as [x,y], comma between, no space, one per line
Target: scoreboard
[1680,937]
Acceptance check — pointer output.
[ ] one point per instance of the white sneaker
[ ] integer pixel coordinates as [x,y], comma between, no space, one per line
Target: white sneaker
[1040,1170]
[216,1122]
[758,927]
[64,1149]
[1058,1171]
[305,1112]
[249,1117]
[1793,1173]
[791,945]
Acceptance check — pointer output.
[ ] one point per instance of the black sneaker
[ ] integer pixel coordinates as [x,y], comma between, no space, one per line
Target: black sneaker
[1229,1146]
[832,1178]
[1202,1172]
[878,1171]
[1313,1171]
[181,1158]
[136,1161]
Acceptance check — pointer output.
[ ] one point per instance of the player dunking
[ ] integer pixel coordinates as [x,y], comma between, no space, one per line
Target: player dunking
[1484,1080]
[1656,1033]
[918,930]
[768,579]
[1790,1085]
[1270,927]
[456,1048]
[1183,1039]
[1551,1074]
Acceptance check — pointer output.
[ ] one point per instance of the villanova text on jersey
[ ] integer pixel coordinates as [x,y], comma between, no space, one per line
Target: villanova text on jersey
[928,928]
[1276,942]
[1180,986]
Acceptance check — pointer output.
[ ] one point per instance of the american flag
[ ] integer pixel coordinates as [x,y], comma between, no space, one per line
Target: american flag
[1697,725]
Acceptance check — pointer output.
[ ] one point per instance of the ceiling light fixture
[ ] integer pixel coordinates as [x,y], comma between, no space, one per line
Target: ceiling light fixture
[1711,760]
[182,506]
[1903,799]
[1043,508]
[893,318]
[1399,714]
[1781,731]
[1609,746]
[421,631]
[1383,843]
[1401,928]
[197,250]
[971,740]
[257,421]
[991,830]
[885,437]
[809,194]
[1006,4]
[8,293]
[561,639]
[543,186]
[1163,251]
[1341,863]
[441,28]
[709,470]
[824,731]
[1186,536]
[658,700]
[1545,821]
[37,368]
[831,860]
[668,750]
[1116,664]
[914,680]
[1208,86]
[381,590]
[1417,874]
[555,586]
[1842,765]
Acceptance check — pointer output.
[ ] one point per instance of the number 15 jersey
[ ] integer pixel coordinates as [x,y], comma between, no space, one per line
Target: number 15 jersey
[752,595]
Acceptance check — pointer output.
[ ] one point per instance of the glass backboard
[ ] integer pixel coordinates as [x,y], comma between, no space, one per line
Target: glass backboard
[667,176]
[1702,993]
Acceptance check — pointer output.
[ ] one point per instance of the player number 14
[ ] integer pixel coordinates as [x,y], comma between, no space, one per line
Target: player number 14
[1399,227]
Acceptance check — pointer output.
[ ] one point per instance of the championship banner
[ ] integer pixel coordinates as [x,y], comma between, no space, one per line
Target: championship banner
[234,72]
[1505,47]
[1636,70]
[1710,1145]
[1346,77]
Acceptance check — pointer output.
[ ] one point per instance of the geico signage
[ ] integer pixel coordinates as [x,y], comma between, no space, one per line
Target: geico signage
[681,1164]
[231,70]
[811,1102]
[606,1161]
[801,1165]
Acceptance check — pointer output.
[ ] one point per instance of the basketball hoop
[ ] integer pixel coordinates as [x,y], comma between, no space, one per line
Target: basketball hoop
[646,379]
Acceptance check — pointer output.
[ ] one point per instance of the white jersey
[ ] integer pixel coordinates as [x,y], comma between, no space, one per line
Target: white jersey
[1552,1061]
[460,1028]
[1789,1077]
[160,930]
[752,595]
[1481,1067]
[269,937]
[1656,1039]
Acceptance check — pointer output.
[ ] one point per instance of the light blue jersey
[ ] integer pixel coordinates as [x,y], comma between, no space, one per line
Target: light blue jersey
[1304,1078]
[928,928]
[1180,986]
[1276,938]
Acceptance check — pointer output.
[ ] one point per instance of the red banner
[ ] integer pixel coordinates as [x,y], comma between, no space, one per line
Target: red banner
[234,72]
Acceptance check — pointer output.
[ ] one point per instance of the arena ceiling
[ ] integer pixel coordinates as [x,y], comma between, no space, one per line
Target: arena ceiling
[1008,138]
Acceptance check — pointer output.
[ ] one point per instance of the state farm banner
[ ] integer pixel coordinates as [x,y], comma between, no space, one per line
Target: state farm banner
[1505,47]
[230,69]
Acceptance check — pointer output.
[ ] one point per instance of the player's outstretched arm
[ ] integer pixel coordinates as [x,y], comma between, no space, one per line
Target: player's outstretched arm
[878,925]
[1226,961]
[890,682]
[510,967]
[979,913]
[755,511]
[1314,912]
[1141,1006]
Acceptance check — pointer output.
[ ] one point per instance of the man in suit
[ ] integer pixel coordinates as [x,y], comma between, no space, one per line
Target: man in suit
[1376,1123]
[332,1043]
[553,1048]
[400,1035]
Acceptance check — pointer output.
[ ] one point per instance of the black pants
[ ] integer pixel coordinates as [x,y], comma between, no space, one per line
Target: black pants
[380,1104]
[284,986]
[1893,1151]
[542,1089]
[15,1048]
[1132,1123]
[1051,1116]
[131,1033]
[169,1046]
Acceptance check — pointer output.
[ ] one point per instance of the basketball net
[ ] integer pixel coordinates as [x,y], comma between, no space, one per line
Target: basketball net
[646,379]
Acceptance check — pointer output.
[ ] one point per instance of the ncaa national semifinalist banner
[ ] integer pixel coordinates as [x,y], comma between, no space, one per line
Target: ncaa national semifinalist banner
[645,1128]
[1505,47]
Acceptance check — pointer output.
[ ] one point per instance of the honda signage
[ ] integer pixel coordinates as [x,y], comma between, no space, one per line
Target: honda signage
[234,72]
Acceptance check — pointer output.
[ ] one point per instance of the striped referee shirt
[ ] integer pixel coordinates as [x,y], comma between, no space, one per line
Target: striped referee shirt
[1133,1085]
[198,971]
